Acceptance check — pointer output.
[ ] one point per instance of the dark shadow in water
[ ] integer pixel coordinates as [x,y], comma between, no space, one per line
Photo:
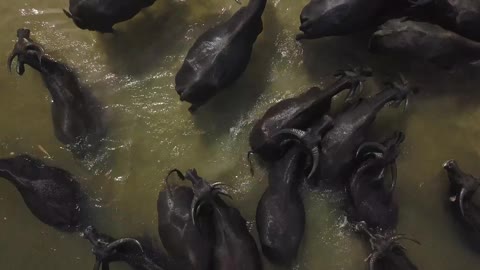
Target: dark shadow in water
[141,44]
[460,84]
[322,57]
[222,111]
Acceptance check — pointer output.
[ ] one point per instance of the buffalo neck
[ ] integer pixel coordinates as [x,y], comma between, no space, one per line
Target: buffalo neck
[289,170]
[6,172]
[222,222]
[377,102]
[256,7]
[61,82]
[33,61]
[338,86]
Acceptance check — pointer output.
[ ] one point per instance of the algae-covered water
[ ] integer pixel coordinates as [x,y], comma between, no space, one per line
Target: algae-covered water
[151,131]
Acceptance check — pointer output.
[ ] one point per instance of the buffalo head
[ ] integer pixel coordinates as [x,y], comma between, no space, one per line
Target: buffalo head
[25,49]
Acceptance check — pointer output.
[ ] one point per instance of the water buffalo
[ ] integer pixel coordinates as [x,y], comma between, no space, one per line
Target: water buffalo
[78,119]
[180,237]
[372,202]
[101,15]
[300,111]
[234,248]
[51,194]
[425,41]
[339,145]
[387,253]
[465,193]
[280,212]
[129,250]
[461,16]
[219,56]
[321,18]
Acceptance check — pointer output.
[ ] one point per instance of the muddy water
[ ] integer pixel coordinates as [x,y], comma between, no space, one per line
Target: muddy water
[150,131]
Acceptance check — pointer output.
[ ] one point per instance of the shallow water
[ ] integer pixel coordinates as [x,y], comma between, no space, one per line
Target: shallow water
[151,131]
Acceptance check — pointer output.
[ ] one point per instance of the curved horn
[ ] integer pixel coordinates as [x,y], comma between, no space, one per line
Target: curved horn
[69,15]
[393,172]
[354,91]
[219,184]
[315,152]
[370,148]
[250,162]
[463,194]
[220,191]
[299,136]
[197,205]
[11,57]
[403,237]
[115,244]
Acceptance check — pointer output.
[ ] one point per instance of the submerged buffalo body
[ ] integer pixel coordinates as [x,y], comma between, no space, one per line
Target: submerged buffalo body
[179,235]
[51,194]
[372,202]
[322,18]
[461,16]
[465,193]
[387,253]
[335,151]
[101,15]
[233,246]
[129,250]
[280,212]
[425,41]
[219,56]
[300,111]
[78,118]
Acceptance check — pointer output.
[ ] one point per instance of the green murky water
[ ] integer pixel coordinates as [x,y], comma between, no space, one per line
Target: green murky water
[151,131]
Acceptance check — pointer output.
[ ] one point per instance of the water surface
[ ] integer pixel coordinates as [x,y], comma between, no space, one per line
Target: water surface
[151,131]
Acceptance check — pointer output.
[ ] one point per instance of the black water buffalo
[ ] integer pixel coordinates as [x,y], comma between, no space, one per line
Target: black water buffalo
[234,248]
[372,202]
[461,16]
[340,144]
[129,250]
[280,212]
[321,18]
[180,237]
[51,194]
[387,253]
[465,191]
[101,15]
[78,119]
[300,111]
[425,41]
[219,56]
